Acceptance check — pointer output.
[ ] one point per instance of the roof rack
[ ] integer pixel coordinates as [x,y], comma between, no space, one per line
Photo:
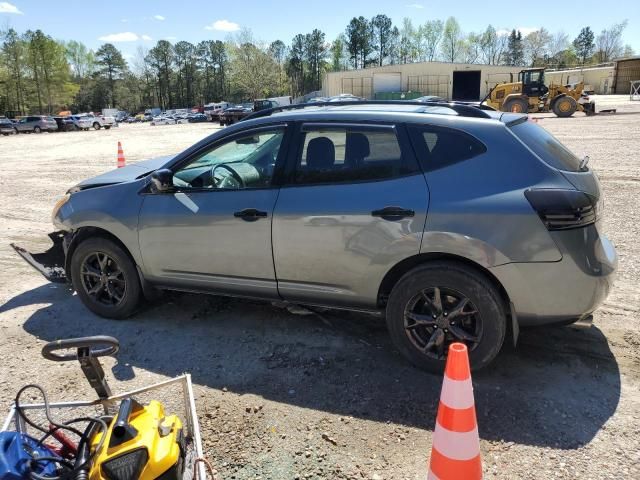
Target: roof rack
[461,108]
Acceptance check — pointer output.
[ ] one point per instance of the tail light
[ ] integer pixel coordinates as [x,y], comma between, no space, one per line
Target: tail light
[564,209]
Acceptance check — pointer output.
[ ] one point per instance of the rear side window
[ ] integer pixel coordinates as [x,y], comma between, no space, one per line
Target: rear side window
[547,147]
[438,147]
[350,154]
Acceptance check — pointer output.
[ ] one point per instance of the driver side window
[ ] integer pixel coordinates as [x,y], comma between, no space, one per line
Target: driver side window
[247,161]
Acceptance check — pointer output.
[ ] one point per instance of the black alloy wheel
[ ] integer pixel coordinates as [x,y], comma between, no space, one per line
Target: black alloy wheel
[437,317]
[442,302]
[106,278]
[103,279]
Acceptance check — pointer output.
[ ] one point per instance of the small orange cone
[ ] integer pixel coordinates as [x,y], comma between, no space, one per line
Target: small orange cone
[455,454]
[121,160]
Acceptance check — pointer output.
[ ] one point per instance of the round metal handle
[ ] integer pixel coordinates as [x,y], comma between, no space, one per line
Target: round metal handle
[99,346]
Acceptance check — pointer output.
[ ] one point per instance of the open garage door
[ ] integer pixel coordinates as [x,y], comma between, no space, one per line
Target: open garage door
[387,82]
[466,86]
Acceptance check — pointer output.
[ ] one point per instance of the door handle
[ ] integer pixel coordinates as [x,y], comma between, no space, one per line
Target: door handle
[393,213]
[250,214]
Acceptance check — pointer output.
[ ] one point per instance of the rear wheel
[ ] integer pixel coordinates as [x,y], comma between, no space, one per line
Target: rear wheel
[565,106]
[440,303]
[516,105]
[105,278]
[37,130]
[96,126]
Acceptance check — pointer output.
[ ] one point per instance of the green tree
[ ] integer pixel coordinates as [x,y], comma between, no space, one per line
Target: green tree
[338,55]
[452,43]
[515,49]
[111,68]
[14,59]
[536,47]
[609,43]
[359,41]
[161,60]
[80,58]
[430,36]
[381,27]
[584,44]
[315,53]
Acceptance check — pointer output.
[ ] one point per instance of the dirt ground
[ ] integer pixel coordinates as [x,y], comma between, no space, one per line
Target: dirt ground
[285,396]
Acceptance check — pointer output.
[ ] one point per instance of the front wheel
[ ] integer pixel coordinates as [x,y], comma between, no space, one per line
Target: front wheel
[105,278]
[107,127]
[37,130]
[440,303]
[565,106]
[96,126]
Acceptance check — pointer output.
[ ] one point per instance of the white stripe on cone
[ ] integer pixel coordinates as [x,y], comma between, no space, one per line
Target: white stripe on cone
[457,394]
[456,445]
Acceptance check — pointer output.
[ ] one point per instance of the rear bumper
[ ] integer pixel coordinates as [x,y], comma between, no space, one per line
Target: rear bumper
[567,291]
[51,264]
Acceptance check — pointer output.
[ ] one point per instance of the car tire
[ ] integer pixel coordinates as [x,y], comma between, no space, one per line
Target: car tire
[107,127]
[37,130]
[418,337]
[15,131]
[105,278]
[96,126]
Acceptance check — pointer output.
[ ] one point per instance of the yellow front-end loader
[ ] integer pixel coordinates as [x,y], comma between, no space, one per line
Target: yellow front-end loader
[530,94]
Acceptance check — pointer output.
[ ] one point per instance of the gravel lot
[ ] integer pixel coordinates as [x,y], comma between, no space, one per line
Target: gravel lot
[284,396]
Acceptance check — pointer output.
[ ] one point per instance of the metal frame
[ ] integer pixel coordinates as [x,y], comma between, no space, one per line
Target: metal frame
[634,94]
[461,108]
[107,403]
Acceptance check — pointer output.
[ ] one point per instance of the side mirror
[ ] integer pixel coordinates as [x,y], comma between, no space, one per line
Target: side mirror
[162,180]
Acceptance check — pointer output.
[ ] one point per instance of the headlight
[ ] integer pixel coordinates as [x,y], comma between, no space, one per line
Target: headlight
[58,206]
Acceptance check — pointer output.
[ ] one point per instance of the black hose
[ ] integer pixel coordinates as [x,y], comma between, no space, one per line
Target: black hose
[81,464]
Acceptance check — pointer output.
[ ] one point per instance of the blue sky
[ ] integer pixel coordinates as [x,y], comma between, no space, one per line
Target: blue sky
[130,23]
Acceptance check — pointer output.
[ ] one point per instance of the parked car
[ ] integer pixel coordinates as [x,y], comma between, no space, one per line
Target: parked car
[65,124]
[163,120]
[457,226]
[181,118]
[82,122]
[102,121]
[198,117]
[36,124]
[7,127]
[234,114]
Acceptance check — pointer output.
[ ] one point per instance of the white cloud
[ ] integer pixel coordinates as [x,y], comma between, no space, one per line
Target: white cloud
[6,7]
[415,5]
[146,37]
[119,37]
[523,30]
[124,20]
[223,26]
[158,17]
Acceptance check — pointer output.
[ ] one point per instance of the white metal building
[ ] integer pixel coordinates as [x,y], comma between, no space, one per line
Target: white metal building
[457,81]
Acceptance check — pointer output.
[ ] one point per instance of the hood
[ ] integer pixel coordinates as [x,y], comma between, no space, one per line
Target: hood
[124,174]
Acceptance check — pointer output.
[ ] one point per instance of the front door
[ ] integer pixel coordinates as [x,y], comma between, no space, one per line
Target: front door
[214,231]
[355,205]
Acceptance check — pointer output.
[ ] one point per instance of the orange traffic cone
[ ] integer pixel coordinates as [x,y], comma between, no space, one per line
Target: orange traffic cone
[121,160]
[455,454]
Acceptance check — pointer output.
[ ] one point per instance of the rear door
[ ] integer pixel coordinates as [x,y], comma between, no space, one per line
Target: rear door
[353,206]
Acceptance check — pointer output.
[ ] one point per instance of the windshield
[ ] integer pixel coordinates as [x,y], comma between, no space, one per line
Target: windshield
[547,147]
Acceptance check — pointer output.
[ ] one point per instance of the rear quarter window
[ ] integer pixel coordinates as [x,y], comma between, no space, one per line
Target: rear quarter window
[547,147]
[439,147]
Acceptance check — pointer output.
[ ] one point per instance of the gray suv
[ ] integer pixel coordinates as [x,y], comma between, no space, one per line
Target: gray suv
[453,222]
[36,124]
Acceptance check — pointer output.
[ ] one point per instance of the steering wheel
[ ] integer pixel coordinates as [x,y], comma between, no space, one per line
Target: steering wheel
[235,175]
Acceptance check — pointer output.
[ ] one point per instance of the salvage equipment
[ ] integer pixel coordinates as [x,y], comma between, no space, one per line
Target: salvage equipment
[129,440]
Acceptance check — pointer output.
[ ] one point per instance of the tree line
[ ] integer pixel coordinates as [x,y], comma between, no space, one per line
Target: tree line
[39,74]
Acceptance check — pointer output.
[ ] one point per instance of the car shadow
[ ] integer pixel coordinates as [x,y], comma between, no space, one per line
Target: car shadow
[557,389]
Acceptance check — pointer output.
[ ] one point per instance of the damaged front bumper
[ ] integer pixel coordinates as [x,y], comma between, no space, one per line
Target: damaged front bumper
[51,264]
